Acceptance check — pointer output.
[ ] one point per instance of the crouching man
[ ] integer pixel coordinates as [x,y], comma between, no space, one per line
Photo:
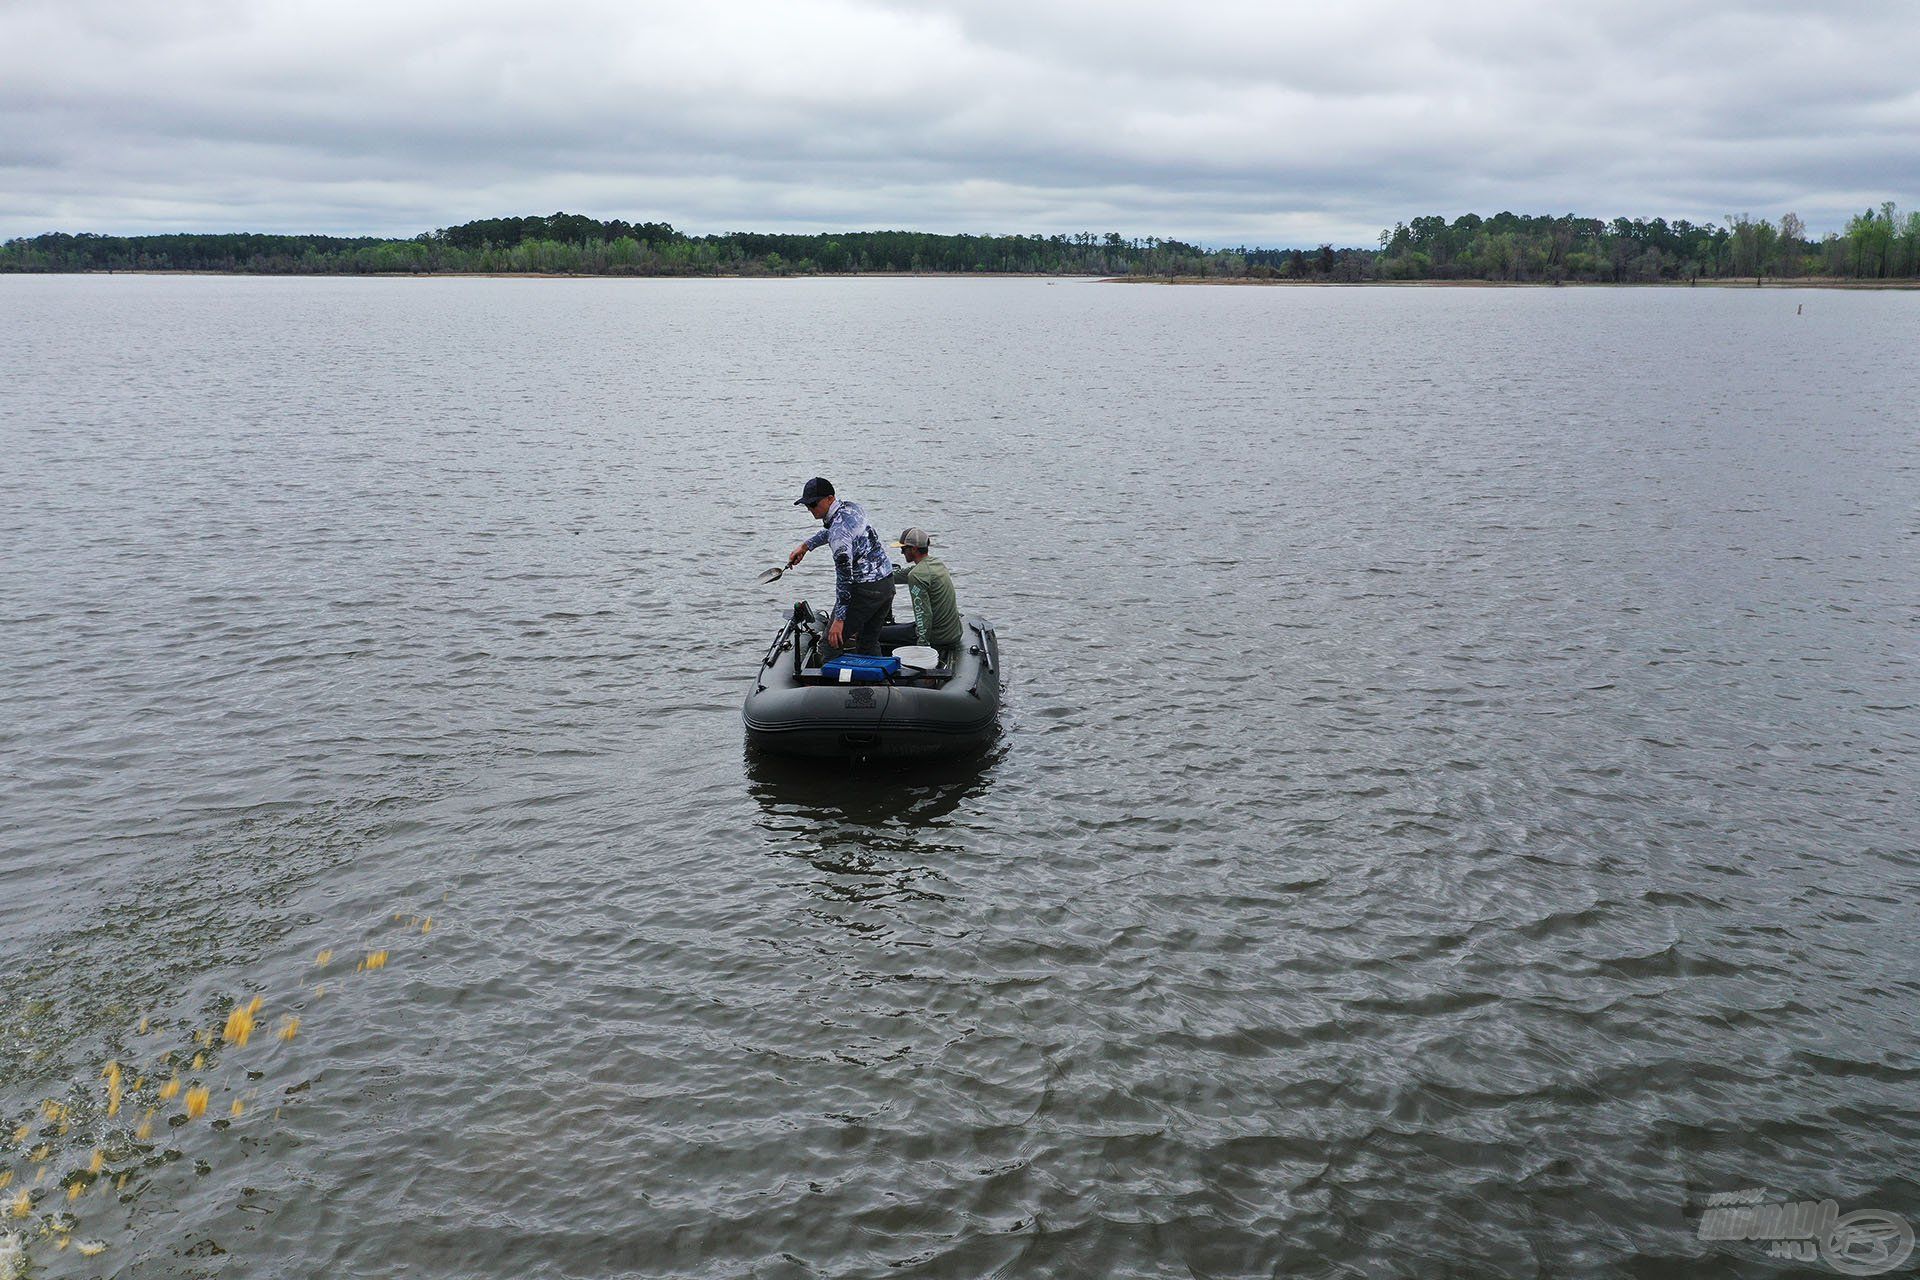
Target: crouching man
[936,614]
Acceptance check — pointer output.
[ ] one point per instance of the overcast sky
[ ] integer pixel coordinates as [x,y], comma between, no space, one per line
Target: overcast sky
[1221,122]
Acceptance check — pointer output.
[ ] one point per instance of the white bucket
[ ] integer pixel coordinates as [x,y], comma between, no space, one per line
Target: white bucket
[918,656]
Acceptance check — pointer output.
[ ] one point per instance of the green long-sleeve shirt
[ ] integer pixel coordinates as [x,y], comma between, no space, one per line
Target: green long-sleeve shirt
[936,614]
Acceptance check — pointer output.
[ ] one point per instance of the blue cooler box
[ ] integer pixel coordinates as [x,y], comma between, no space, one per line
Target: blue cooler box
[858,668]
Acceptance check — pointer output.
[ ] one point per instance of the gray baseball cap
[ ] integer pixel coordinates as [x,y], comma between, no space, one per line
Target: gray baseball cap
[916,538]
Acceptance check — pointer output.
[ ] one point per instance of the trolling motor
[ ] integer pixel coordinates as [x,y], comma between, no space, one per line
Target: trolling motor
[808,632]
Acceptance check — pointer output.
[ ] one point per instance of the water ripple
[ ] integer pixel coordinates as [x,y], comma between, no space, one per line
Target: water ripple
[1452,815]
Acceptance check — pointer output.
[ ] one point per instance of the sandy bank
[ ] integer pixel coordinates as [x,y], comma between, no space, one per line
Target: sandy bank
[1746,282]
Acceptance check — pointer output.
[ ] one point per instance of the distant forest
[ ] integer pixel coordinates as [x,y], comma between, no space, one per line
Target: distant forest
[1878,244]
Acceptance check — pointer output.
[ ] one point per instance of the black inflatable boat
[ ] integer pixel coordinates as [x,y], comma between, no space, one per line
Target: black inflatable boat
[796,709]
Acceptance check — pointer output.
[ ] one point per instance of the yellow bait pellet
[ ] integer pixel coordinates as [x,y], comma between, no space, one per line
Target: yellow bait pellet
[240,1024]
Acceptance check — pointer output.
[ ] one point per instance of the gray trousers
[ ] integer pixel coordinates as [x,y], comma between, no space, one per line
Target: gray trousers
[869,607]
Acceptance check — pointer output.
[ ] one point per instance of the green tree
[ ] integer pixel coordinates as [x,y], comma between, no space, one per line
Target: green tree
[1870,242]
[1908,243]
[1792,241]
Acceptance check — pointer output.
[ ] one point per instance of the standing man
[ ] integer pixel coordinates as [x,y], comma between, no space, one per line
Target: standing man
[862,571]
[936,614]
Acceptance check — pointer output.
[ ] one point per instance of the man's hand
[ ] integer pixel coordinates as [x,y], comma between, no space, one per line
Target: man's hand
[836,632]
[799,554]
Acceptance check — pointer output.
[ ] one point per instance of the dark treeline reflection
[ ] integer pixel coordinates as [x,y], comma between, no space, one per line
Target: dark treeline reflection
[1880,243]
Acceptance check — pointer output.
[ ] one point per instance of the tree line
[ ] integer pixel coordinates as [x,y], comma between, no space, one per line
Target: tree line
[1880,243]
[563,243]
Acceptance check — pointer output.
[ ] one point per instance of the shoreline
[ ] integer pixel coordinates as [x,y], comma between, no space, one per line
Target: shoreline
[570,275]
[1731,282]
[1728,282]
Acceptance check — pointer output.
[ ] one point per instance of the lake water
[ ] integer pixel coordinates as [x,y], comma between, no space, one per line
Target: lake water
[1454,814]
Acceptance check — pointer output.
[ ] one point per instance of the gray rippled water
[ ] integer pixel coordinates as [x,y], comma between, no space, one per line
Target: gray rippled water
[1454,812]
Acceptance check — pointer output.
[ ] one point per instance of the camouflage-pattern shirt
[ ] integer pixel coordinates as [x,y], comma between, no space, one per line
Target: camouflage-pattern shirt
[858,553]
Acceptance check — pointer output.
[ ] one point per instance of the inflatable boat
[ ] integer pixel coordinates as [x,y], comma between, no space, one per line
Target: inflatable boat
[873,709]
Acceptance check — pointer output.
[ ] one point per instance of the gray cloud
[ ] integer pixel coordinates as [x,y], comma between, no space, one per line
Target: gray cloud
[1223,122]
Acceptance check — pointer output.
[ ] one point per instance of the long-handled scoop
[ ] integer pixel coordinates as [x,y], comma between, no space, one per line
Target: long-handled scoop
[773,575]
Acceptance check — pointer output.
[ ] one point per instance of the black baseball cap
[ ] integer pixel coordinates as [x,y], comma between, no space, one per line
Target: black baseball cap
[817,488]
